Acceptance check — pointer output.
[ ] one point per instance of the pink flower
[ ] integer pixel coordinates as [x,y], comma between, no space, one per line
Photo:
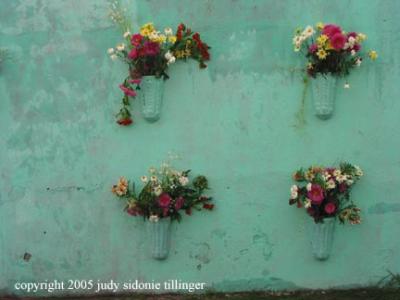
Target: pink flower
[127,91]
[331,29]
[135,81]
[352,34]
[151,48]
[316,194]
[330,208]
[165,211]
[164,200]
[313,48]
[136,39]
[338,40]
[356,47]
[179,203]
[133,54]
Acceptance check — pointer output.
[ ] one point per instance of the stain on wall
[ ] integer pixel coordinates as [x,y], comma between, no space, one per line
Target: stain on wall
[61,150]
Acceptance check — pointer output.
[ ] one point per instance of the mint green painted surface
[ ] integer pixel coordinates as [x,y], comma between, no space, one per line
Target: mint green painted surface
[235,121]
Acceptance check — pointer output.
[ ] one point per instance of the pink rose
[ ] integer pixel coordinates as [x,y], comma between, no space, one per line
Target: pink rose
[330,208]
[179,203]
[316,194]
[331,29]
[352,34]
[164,200]
[127,91]
[338,40]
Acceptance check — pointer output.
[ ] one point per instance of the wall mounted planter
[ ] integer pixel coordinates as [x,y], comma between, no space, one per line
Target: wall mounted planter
[322,238]
[324,95]
[151,94]
[160,235]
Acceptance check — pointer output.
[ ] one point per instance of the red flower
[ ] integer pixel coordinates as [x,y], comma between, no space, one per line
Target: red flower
[196,37]
[133,54]
[208,206]
[338,40]
[136,39]
[128,92]
[299,204]
[316,194]
[135,81]
[331,29]
[313,48]
[342,187]
[164,200]
[330,208]
[125,121]
[151,48]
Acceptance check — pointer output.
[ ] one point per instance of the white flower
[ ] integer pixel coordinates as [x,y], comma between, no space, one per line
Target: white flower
[307,203]
[168,31]
[294,188]
[359,172]
[308,31]
[358,62]
[330,184]
[349,182]
[120,47]
[126,34]
[171,61]
[153,178]
[337,172]
[293,195]
[183,180]
[157,190]
[144,179]
[153,35]
[351,41]
[326,176]
[346,85]
[152,170]
[153,218]
[309,186]
[168,55]
[353,52]
[110,51]
[113,57]
[341,178]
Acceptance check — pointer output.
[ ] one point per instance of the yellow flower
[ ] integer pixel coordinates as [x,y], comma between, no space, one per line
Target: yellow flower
[188,52]
[373,55]
[179,54]
[361,37]
[322,54]
[321,40]
[172,39]
[320,25]
[147,29]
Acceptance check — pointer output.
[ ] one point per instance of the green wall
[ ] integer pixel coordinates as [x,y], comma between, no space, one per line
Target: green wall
[235,121]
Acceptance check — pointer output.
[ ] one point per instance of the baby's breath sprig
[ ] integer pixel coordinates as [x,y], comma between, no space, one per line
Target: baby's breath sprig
[118,16]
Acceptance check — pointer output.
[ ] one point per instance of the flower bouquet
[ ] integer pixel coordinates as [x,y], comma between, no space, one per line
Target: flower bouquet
[325,194]
[148,55]
[330,53]
[165,194]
